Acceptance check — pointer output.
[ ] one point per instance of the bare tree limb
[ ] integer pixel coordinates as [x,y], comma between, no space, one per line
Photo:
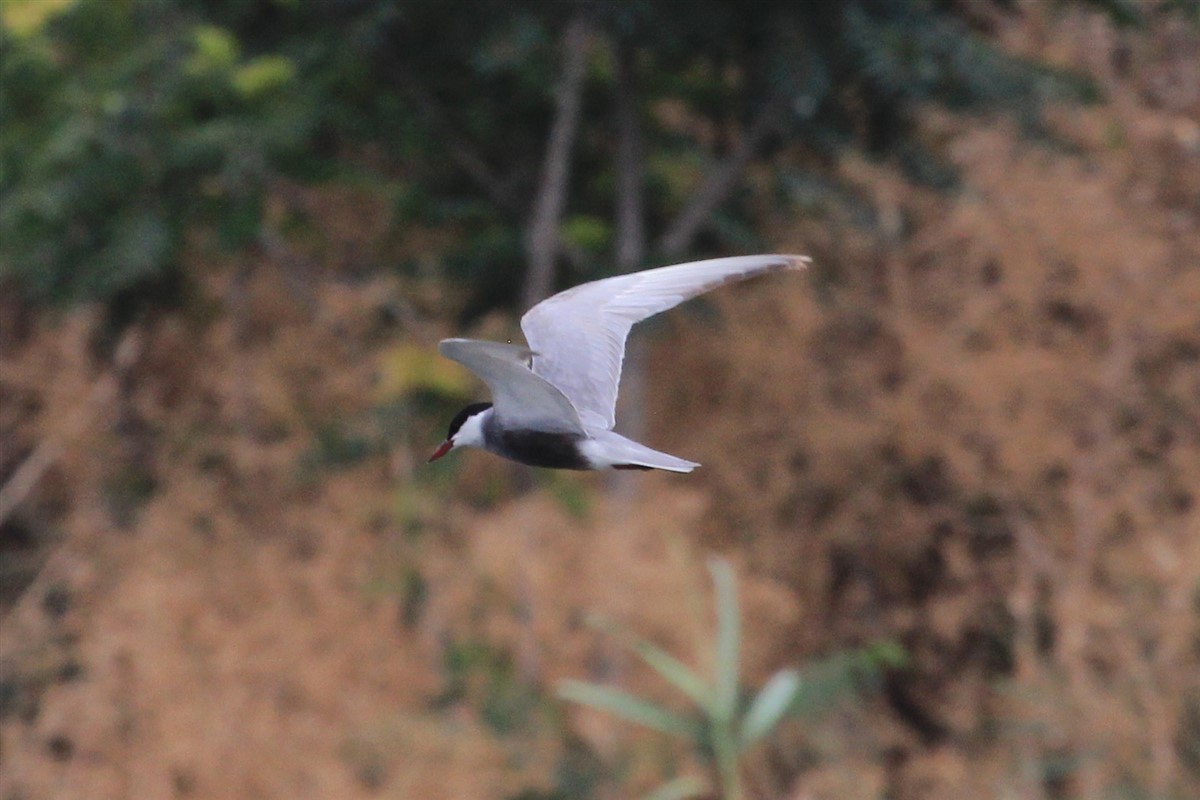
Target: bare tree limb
[501,190]
[542,245]
[630,244]
[26,476]
[542,238]
[37,463]
[720,181]
[631,230]
[465,156]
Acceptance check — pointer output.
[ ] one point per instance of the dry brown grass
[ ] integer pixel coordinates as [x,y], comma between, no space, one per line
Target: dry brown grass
[989,448]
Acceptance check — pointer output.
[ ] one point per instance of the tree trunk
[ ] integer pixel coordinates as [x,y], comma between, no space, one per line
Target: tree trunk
[542,237]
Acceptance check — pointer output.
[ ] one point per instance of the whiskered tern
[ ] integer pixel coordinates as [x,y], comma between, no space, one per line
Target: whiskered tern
[553,402]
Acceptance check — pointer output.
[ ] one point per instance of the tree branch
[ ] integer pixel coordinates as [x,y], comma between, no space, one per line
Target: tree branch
[631,231]
[465,156]
[721,180]
[542,237]
[37,463]
[630,245]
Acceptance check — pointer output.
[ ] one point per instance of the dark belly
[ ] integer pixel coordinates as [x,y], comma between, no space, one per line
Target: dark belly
[542,449]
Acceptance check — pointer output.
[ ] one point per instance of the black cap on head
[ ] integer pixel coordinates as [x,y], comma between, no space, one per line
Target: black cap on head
[462,416]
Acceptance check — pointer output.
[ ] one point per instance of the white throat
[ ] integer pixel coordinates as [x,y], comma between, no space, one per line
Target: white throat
[471,432]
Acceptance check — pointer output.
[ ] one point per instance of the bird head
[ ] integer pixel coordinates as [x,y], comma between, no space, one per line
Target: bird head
[466,430]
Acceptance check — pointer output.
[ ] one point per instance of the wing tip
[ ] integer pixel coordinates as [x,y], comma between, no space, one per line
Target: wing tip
[677,465]
[796,262]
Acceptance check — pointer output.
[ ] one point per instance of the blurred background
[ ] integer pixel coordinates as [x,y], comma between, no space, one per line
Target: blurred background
[954,465]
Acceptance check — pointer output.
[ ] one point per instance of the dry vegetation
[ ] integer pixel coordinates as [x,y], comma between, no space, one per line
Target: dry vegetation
[975,433]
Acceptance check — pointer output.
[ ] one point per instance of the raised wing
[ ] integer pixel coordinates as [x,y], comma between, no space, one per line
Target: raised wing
[578,336]
[520,398]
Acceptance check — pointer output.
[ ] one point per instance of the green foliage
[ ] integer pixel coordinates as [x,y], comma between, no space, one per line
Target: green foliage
[485,677]
[719,727]
[587,231]
[572,494]
[131,126]
[680,788]
[409,368]
[830,679]
[127,125]
[335,447]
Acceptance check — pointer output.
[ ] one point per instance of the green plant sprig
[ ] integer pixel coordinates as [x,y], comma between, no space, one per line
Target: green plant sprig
[717,726]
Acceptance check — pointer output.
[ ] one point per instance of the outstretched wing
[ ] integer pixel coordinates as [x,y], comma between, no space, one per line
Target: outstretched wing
[578,336]
[520,398]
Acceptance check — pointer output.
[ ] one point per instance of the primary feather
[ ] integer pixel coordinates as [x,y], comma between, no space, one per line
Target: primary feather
[578,336]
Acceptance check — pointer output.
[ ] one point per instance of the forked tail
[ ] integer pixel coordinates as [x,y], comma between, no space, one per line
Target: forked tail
[607,449]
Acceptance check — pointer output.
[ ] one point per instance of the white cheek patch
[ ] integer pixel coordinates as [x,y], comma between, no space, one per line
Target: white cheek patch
[471,432]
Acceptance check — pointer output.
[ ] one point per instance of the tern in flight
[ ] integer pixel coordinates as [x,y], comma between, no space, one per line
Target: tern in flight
[553,402]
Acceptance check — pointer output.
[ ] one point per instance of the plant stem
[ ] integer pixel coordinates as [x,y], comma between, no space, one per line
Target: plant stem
[726,751]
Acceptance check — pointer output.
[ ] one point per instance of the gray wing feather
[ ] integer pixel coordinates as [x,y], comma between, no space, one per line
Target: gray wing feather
[519,397]
[578,336]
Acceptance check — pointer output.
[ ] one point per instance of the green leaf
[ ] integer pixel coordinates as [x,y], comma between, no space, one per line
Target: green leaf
[216,49]
[728,639]
[587,231]
[680,788]
[628,707]
[674,671]
[845,674]
[26,17]
[262,75]
[769,706]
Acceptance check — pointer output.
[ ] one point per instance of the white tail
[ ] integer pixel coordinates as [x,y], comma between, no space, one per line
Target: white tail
[607,449]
